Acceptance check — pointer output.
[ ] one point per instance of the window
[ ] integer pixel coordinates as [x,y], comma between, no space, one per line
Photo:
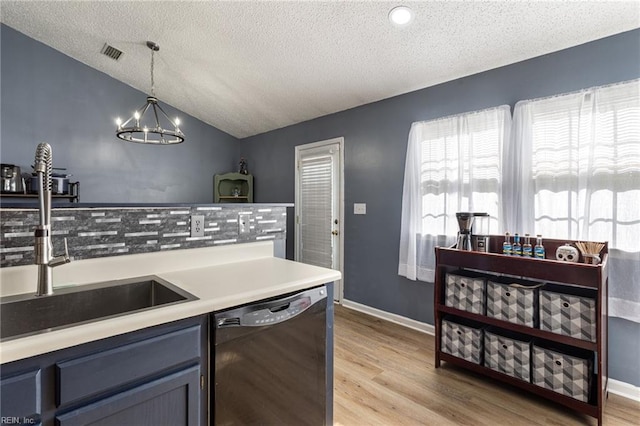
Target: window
[584,177]
[452,165]
[570,169]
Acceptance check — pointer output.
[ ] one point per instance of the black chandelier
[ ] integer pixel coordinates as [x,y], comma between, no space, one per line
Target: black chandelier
[150,131]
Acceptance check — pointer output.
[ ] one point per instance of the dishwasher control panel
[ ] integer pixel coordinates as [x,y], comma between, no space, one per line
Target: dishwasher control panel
[271,312]
[276,314]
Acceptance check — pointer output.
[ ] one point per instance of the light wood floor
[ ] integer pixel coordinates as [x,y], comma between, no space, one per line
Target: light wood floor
[385,375]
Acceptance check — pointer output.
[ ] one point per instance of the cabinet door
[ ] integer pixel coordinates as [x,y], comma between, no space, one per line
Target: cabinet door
[116,368]
[170,400]
[21,398]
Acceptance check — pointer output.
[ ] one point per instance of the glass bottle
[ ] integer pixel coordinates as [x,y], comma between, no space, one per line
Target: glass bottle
[516,249]
[538,250]
[527,249]
[506,246]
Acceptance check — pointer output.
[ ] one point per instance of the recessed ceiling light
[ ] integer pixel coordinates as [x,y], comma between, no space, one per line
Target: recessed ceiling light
[401,16]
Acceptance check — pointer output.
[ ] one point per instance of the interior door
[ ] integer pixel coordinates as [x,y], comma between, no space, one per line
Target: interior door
[318,208]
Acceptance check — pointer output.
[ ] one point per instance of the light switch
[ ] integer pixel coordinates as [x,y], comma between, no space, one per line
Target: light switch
[359,208]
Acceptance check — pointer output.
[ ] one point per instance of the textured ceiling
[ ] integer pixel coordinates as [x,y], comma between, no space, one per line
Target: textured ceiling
[247,67]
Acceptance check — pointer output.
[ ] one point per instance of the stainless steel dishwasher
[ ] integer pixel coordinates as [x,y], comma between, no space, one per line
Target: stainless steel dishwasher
[270,362]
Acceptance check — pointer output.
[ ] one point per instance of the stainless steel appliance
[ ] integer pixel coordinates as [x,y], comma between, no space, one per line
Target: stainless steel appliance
[465,233]
[60,184]
[480,233]
[465,222]
[270,362]
[12,181]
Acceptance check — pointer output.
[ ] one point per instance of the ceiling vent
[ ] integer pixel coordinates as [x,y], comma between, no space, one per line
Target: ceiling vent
[111,52]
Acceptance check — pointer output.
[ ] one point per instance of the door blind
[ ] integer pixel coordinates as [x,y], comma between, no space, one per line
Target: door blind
[316,178]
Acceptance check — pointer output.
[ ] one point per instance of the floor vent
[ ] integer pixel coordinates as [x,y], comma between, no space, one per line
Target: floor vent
[111,52]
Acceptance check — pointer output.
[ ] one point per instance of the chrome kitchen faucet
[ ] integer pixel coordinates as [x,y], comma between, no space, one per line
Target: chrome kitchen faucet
[43,246]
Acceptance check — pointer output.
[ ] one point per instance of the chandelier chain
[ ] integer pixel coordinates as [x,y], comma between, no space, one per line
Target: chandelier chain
[153,93]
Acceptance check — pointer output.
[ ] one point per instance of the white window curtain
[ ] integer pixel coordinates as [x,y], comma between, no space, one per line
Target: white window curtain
[452,165]
[579,161]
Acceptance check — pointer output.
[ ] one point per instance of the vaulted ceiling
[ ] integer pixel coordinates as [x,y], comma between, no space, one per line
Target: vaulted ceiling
[247,67]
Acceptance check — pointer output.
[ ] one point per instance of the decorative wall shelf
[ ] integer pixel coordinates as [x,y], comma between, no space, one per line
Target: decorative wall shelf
[233,188]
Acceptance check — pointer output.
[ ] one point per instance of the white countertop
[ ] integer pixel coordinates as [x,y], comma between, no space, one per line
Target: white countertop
[221,277]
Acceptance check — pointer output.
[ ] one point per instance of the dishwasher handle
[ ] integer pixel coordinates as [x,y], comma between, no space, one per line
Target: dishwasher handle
[271,312]
[279,308]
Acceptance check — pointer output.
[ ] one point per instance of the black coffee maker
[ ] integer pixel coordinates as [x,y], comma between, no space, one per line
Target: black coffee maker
[465,223]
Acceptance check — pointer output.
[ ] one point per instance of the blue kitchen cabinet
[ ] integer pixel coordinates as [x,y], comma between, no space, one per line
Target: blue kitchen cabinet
[152,376]
[20,398]
[169,400]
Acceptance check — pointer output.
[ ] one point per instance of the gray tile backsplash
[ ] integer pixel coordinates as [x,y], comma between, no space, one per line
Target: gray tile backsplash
[101,232]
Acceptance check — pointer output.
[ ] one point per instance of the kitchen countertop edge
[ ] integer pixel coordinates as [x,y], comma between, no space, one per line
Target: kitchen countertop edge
[218,287]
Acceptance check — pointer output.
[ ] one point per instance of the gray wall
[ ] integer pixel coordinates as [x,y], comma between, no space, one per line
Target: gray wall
[47,96]
[375,147]
[50,97]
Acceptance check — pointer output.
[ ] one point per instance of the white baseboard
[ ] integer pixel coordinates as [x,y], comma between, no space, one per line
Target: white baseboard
[398,319]
[617,387]
[626,390]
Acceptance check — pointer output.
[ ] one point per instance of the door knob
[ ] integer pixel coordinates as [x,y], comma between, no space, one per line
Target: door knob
[334,232]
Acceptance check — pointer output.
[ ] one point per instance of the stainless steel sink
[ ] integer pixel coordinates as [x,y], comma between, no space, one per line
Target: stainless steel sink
[28,314]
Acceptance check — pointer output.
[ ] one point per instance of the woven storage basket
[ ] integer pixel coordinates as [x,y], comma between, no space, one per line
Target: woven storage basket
[461,340]
[568,314]
[562,372]
[513,301]
[507,354]
[466,291]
